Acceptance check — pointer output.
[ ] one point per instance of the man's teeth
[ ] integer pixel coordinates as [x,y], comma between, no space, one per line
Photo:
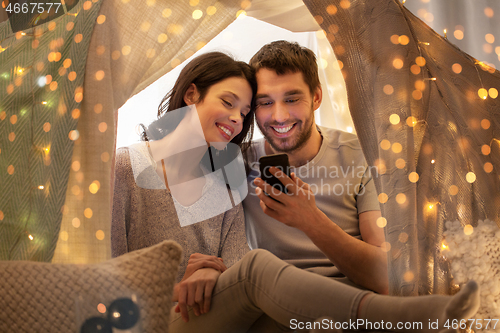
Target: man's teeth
[225,130]
[283,129]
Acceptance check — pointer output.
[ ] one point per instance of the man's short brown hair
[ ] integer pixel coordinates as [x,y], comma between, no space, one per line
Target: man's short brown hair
[286,57]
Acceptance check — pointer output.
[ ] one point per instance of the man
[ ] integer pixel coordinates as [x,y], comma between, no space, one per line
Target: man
[328,224]
[262,293]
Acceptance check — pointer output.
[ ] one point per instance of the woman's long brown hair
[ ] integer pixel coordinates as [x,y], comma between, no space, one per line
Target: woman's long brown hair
[205,71]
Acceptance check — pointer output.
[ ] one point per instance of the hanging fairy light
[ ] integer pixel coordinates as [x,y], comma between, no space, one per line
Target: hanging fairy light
[43,101]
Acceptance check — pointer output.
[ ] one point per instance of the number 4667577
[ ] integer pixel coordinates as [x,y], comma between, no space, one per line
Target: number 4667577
[472,324]
[32,8]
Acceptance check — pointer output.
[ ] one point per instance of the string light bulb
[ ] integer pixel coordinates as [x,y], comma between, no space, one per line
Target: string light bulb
[430,207]
[483,93]
[445,33]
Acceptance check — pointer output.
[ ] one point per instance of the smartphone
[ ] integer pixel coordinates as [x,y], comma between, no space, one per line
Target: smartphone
[279,161]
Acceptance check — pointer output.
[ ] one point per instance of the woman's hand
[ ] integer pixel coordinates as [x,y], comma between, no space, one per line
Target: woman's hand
[189,286]
[197,261]
[195,291]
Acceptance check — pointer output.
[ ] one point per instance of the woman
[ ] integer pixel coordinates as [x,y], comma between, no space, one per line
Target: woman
[167,188]
[146,206]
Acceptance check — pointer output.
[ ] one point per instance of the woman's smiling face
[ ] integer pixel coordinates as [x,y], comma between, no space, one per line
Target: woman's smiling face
[223,109]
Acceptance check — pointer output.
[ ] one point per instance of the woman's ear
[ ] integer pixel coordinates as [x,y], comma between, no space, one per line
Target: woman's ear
[191,96]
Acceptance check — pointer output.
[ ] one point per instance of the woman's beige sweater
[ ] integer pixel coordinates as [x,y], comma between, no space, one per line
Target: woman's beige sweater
[144,217]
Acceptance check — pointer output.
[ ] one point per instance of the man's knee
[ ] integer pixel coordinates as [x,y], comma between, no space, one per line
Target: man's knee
[256,262]
[257,255]
[259,262]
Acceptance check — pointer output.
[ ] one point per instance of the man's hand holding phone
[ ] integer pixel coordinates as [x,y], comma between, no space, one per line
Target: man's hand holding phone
[295,208]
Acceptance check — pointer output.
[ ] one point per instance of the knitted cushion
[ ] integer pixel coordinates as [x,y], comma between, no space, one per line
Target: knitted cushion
[44,297]
[475,255]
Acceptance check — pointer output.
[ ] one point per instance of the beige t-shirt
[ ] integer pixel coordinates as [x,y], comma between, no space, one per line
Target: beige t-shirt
[343,186]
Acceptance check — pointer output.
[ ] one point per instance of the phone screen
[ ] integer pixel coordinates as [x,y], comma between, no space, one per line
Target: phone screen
[279,161]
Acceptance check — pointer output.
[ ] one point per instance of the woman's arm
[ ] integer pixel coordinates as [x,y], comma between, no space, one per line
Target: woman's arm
[121,203]
[202,271]
[233,245]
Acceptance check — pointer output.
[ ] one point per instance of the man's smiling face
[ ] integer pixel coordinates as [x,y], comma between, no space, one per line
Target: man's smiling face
[285,109]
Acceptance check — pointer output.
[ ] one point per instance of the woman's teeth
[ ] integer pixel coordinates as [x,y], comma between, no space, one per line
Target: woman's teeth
[283,129]
[225,130]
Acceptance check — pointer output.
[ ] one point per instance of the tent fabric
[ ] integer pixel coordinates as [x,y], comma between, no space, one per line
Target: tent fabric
[42,78]
[292,15]
[138,42]
[432,128]
[132,43]
[470,25]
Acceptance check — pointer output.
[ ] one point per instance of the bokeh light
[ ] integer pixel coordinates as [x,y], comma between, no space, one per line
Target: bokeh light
[470,177]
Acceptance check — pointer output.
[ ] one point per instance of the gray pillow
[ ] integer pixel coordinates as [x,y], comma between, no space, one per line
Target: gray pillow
[44,297]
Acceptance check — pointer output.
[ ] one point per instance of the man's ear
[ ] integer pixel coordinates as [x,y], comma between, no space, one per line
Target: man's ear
[317,97]
[191,96]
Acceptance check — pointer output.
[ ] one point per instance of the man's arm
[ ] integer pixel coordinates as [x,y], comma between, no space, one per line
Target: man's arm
[362,261]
